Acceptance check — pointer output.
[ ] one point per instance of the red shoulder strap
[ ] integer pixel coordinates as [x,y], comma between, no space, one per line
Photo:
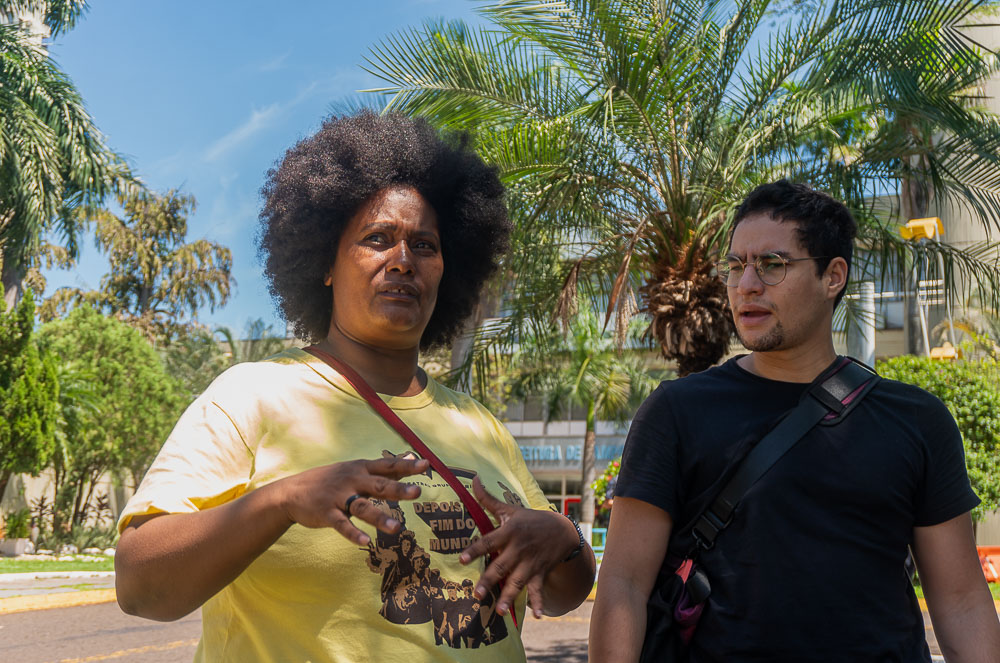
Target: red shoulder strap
[479,516]
[482,521]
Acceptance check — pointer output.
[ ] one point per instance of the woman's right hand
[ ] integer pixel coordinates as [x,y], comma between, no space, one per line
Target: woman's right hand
[169,564]
[318,497]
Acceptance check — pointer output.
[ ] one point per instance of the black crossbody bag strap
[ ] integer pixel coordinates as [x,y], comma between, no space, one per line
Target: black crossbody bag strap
[828,400]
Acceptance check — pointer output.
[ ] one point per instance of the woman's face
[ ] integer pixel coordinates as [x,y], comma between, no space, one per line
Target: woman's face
[386,270]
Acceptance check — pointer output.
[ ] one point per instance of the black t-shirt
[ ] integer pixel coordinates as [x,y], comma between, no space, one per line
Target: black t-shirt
[811,568]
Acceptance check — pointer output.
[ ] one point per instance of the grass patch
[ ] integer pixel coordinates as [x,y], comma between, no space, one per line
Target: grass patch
[35,566]
[83,586]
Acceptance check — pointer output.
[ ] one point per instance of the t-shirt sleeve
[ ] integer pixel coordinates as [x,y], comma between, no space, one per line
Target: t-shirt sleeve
[649,470]
[205,462]
[946,492]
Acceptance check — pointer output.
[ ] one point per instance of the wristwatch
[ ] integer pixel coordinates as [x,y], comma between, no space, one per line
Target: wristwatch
[579,532]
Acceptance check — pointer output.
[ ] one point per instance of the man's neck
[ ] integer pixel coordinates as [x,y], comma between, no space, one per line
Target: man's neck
[387,371]
[800,364]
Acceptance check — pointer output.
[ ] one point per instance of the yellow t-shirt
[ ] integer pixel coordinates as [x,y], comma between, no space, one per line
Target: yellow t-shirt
[314,595]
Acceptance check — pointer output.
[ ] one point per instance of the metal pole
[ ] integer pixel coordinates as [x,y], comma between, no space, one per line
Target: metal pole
[861,330]
[946,293]
[921,306]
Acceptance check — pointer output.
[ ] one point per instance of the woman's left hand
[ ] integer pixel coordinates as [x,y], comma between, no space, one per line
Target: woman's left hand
[528,543]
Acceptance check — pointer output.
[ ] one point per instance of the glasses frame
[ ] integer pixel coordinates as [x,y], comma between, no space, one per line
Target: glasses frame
[723,269]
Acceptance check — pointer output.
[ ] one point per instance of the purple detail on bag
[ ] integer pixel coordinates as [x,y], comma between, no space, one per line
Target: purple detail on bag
[686,616]
[847,401]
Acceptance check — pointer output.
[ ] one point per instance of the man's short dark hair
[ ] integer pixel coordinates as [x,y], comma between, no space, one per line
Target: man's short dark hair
[321,182]
[824,226]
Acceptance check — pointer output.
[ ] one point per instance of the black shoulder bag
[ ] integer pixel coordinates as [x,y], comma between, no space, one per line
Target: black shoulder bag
[682,588]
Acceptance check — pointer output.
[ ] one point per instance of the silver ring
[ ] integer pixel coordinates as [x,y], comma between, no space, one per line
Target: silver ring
[350,500]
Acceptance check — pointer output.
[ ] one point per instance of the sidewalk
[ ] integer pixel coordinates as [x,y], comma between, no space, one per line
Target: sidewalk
[44,590]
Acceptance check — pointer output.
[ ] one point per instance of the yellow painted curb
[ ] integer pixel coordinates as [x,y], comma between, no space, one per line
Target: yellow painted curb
[57,600]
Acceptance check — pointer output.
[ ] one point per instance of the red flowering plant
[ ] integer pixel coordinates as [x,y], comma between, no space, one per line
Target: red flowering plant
[602,483]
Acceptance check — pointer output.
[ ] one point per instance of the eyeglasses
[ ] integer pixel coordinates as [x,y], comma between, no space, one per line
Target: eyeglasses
[771,268]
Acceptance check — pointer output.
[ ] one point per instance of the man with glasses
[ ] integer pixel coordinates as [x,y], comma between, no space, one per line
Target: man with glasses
[811,566]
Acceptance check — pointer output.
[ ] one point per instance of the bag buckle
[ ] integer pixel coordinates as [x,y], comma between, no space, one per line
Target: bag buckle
[708,527]
[705,541]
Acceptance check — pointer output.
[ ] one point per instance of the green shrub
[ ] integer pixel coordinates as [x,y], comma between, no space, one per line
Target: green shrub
[81,536]
[100,536]
[17,524]
[971,391]
[600,484]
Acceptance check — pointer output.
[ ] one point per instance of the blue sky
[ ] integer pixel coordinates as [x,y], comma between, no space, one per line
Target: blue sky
[205,96]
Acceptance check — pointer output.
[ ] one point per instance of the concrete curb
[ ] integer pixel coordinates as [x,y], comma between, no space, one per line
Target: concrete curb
[12,578]
[58,600]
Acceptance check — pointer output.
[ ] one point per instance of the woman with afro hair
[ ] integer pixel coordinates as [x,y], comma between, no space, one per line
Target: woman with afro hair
[280,483]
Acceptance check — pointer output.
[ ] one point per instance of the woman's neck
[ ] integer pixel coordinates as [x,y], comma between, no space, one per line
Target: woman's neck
[388,371]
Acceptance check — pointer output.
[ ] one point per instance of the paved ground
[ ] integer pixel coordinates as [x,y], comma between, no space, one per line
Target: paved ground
[34,628]
[26,584]
[558,639]
[95,633]
[102,632]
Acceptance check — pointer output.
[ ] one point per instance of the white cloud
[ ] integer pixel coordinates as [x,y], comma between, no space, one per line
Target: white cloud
[258,120]
[274,64]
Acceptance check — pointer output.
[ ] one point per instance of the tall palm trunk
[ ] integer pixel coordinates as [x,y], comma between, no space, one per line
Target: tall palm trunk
[13,274]
[4,480]
[588,474]
[487,307]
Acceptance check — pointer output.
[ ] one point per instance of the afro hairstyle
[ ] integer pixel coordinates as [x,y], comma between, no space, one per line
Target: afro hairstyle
[320,184]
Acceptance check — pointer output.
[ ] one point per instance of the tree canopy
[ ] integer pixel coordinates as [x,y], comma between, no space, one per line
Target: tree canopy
[584,367]
[135,401]
[30,390]
[628,130]
[158,279]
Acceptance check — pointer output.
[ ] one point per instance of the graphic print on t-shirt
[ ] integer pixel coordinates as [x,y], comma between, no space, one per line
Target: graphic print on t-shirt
[414,593]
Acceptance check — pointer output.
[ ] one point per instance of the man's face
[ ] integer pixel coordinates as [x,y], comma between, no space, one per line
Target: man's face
[795,312]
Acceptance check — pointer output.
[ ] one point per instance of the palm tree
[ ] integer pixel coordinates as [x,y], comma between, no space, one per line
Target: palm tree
[194,359]
[584,367]
[52,157]
[258,342]
[157,277]
[628,130]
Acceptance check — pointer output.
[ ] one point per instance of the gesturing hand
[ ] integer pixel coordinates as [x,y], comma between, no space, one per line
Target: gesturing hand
[529,542]
[318,497]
